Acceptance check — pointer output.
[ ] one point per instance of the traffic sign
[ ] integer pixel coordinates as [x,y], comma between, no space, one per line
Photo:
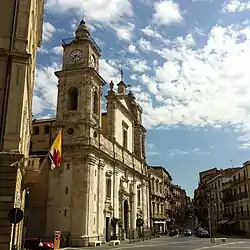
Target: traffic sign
[15,215]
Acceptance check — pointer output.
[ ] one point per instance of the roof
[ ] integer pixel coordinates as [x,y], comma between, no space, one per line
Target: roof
[164,169]
[35,121]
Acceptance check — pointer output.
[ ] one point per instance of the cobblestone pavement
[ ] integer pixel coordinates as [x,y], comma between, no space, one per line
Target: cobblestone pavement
[179,243]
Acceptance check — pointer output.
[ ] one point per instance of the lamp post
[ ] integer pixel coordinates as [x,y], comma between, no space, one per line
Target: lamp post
[209,222]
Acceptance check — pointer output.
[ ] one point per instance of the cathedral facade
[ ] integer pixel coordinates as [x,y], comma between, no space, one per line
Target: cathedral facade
[101,190]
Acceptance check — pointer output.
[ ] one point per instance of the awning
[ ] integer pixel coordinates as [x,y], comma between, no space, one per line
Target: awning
[231,222]
[222,222]
[159,222]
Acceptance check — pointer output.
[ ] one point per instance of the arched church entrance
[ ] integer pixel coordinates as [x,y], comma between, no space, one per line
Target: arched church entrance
[126,217]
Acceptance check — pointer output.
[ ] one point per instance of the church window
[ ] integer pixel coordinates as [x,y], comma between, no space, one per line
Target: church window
[36,130]
[95,103]
[65,212]
[125,135]
[46,129]
[66,190]
[108,188]
[72,98]
[138,197]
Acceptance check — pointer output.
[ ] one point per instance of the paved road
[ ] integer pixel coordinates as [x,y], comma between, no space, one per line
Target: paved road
[179,243]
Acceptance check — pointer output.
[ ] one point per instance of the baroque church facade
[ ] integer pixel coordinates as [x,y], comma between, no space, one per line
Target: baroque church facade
[102,185]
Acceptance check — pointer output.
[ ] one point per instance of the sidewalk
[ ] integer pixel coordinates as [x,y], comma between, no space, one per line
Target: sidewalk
[106,244]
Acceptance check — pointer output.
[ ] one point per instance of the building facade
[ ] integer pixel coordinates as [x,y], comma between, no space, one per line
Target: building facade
[237,202]
[160,181]
[101,190]
[215,197]
[20,35]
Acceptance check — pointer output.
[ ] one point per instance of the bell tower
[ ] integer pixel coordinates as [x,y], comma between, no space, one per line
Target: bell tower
[80,86]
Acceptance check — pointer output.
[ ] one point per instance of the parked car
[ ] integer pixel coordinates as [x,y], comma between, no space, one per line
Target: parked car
[37,244]
[187,233]
[202,233]
[174,233]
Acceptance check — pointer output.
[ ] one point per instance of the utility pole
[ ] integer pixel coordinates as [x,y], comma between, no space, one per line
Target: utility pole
[209,222]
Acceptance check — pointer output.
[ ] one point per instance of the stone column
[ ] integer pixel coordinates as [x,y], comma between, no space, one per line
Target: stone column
[144,202]
[100,197]
[134,205]
[148,204]
[115,195]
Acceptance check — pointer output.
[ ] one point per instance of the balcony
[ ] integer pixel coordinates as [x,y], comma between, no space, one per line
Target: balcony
[238,181]
[159,216]
[243,195]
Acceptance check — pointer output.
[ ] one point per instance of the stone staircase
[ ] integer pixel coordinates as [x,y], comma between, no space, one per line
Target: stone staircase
[8,177]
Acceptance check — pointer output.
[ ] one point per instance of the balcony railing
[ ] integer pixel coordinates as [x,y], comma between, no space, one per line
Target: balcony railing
[238,181]
[244,214]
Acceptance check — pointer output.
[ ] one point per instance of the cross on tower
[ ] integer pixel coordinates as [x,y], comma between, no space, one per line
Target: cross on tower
[121,75]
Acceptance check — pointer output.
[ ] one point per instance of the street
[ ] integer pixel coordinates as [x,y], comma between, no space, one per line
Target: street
[180,243]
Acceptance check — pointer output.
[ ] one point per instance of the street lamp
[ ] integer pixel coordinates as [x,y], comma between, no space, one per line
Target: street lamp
[209,222]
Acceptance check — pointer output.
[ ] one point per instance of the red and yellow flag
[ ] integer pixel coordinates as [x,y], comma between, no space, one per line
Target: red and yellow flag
[55,153]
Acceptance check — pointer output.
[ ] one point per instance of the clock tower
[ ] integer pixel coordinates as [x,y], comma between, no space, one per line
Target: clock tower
[79,117]
[80,87]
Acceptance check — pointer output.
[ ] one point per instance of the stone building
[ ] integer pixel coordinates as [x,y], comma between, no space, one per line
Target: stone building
[236,199]
[20,35]
[101,191]
[215,203]
[160,181]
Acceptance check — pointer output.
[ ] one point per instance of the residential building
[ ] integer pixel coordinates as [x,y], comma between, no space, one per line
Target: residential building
[20,35]
[160,181]
[237,201]
[215,196]
[200,202]
[101,190]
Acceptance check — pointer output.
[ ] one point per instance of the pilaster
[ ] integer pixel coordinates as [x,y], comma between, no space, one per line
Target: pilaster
[115,195]
[101,197]
[134,205]
[92,205]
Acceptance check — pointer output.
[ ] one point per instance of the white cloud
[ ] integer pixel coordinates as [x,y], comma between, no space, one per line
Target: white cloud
[166,12]
[207,86]
[48,31]
[144,45]
[132,49]
[151,145]
[124,32]
[148,31]
[176,152]
[138,65]
[45,91]
[101,11]
[42,50]
[236,6]
[58,50]
[108,72]
[153,153]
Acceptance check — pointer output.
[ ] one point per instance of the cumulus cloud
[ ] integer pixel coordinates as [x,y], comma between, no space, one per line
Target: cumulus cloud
[166,12]
[48,31]
[236,6]
[203,87]
[132,48]
[101,11]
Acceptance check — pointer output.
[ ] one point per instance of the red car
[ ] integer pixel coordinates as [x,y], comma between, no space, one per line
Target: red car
[33,244]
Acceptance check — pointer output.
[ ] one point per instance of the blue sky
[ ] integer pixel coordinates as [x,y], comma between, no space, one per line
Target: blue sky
[187,62]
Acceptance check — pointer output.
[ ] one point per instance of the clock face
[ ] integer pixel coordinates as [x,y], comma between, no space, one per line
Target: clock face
[93,61]
[75,55]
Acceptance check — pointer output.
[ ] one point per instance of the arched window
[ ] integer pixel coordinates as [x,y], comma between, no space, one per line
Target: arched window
[72,98]
[95,103]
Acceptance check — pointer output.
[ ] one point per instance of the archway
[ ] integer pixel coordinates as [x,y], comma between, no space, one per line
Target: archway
[126,217]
